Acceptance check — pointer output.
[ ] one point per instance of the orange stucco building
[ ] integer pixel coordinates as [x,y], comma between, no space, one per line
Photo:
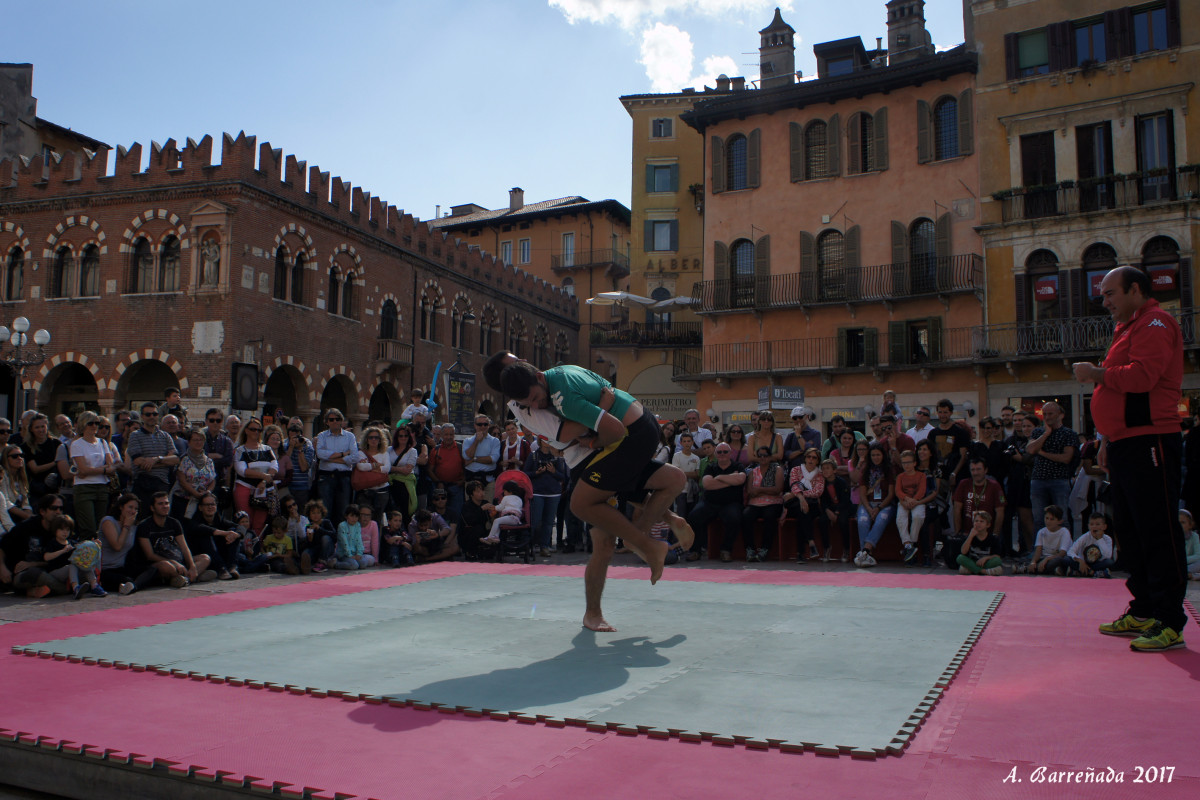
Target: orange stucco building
[840,251]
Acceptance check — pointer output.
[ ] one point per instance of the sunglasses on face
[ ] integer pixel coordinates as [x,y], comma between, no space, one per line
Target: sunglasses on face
[253,430]
[5,431]
[149,413]
[213,419]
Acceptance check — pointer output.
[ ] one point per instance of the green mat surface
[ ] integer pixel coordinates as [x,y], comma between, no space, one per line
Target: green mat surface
[851,668]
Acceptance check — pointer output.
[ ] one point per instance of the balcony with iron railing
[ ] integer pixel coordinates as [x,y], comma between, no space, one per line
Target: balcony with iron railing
[615,260]
[883,282]
[1106,193]
[1063,339]
[647,334]
[686,365]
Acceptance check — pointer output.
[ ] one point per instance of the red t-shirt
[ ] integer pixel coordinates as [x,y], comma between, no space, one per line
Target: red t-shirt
[446,463]
[972,499]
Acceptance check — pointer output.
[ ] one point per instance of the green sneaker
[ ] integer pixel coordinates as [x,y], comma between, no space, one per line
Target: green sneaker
[1127,625]
[1156,640]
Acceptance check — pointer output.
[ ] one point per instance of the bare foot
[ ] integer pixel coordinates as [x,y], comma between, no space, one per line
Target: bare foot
[683,532]
[657,559]
[596,622]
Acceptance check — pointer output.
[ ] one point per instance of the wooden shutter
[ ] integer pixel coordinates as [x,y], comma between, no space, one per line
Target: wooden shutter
[934,326]
[796,150]
[1012,60]
[841,346]
[675,236]
[871,347]
[1076,293]
[924,140]
[881,140]
[649,177]
[1173,26]
[753,146]
[1118,33]
[942,252]
[1019,297]
[648,237]
[899,242]
[1060,41]
[966,141]
[854,163]
[1185,283]
[808,252]
[852,248]
[762,272]
[833,147]
[718,165]
[719,298]
[897,343]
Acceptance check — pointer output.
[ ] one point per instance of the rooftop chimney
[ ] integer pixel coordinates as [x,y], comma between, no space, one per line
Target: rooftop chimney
[516,198]
[776,53]
[907,37]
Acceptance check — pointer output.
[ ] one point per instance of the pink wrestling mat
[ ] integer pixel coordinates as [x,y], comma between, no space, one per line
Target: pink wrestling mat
[1042,699]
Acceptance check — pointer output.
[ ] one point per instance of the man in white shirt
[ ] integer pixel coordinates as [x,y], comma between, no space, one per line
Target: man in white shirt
[691,418]
[919,431]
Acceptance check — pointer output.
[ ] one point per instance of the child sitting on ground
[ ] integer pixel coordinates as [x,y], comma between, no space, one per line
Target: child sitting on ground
[978,560]
[1092,553]
[322,538]
[397,546]
[370,533]
[349,552]
[277,547]
[68,559]
[1191,544]
[428,533]
[508,512]
[1051,546]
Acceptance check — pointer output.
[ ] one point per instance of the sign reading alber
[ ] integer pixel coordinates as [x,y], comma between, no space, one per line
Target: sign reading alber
[772,397]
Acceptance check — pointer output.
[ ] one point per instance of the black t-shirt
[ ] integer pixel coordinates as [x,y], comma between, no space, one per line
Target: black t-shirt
[162,538]
[947,443]
[726,494]
[474,518]
[23,542]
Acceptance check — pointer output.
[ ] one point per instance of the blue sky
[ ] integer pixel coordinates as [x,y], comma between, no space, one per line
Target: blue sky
[419,103]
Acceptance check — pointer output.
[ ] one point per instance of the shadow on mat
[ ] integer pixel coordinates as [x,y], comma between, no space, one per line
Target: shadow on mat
[589,667]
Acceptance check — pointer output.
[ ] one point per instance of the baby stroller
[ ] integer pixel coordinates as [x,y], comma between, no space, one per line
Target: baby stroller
[516,539]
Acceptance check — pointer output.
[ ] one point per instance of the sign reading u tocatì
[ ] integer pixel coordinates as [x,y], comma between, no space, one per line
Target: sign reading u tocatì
[772,397]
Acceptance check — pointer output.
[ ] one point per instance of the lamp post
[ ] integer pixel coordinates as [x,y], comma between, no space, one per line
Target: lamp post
[20,355]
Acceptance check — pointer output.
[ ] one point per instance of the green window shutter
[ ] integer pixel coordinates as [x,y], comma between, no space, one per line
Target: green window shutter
[851,248]
[966,143]
[649,177]
[674,177]
[897,343]
[854,163]
[924,140]
[833,144]
[841,346]
[720,271]
[941,251]
[881,139]
[675,236]
[808,267]
[796,150]
[753,145]
[648,237]
[762,272]
[871,347]
[899,242]
[935,339]
[718,165]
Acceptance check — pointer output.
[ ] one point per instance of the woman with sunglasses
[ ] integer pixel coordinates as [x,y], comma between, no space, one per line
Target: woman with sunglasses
[405,456]
[40,451]
[372,474]
[195,477]
[300,454]
[14,483]
[256,468]
[736,438]
[93,466]
[765,435]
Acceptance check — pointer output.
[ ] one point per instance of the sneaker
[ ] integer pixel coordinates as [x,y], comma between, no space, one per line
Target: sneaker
[751,555]
[305,563]
[858,558]
[1102,573]
[98,591]
[81,589]
[206,576]
[544,552]
[963,570]
[910,553]
[845,557]
[178,582]
[672,556]
[1157,639]
[726,556]
[994,571]
[1127,625]
[937,549]
[828,555]
[318,567]
[868,560]
[233,573]
[127,588]
[1060,572]
[224,575]
[692,556]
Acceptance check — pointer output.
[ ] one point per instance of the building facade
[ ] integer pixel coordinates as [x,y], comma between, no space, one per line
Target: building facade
[166,276]
[840,251]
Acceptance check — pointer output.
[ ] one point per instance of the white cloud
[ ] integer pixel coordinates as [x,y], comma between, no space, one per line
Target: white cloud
[667,55]
[714,66]
[629,13]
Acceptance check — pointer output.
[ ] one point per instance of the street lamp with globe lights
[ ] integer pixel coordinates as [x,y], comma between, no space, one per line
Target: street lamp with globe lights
[19,355]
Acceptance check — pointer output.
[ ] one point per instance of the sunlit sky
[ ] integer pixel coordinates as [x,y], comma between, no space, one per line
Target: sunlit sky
[420,103]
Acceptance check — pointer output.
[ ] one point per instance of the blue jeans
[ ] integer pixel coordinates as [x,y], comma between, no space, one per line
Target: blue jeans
[333,487]
[1054,492]
[454,503]
[871,532]
[542,512]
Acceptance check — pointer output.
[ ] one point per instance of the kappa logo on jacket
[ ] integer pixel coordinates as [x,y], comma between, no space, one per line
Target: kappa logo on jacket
[1156,323]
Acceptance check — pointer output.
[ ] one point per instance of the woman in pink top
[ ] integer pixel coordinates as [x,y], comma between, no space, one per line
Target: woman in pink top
[803,501]
[764,490]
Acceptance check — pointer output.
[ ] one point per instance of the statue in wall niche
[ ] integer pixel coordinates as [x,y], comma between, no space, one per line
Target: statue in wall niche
[210,254]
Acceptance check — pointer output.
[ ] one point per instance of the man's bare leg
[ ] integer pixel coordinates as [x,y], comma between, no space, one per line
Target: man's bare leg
[591,505]
[594,576]
[665,486]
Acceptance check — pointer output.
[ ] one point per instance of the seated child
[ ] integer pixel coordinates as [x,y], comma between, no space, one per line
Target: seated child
[508,512]
[475,519]
[370,532]
[1051,546]
[71,561]
[1191,544]
[397,546]
[979,560]
[250,558]
[298,531]
[277,547]
[349,551]
[322,538]
[431,537]
[1092,553]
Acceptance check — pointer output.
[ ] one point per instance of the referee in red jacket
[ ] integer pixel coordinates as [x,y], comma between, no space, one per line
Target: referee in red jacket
[1135,408]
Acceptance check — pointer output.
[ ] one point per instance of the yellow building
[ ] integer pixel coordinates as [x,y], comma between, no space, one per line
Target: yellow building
[1091,161]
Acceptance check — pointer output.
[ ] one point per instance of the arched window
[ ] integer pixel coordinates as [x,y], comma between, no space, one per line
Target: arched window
[487,324]
[348,296]
[541,350]
[298,268]
[736,163]
[61,273]
[945,129]
[1098,259]
[659,317]
[429,317]
[562,350]
[142,267]
[1041,270]
[568,286]
[281,274]
[333,296]
[14,274]
[741,271]
[168,274]
[458,322]
[816,149]
[389,321]
[1160,260]
[89,272]
[922,256]
[516,336]
[831,265]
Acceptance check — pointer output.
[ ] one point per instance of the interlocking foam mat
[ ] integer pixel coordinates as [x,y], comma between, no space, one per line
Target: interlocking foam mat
[836,669]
